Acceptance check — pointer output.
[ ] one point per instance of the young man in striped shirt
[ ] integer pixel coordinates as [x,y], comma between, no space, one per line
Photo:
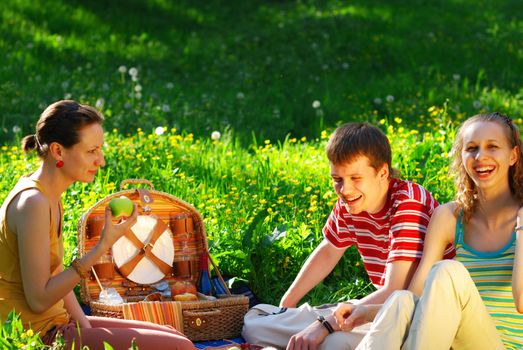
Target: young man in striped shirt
[383,217]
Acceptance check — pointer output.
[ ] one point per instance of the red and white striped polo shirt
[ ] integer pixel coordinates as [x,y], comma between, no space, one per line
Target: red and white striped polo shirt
[396,232]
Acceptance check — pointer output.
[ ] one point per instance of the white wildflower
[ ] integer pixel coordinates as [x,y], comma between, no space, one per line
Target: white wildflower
[377,100]
[138,88]
[240,95]
[133,71]
[316,104]
[169,86]
[159,130]
[456,77]
[99,103]
[16,129]
[476,104]
[389,98]
[216,135]
[122,69]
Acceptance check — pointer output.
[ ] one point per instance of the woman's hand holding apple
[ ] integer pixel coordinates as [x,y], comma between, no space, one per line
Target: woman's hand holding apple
[113,231]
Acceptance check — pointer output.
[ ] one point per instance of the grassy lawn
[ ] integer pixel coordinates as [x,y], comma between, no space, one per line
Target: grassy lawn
[274,78]
[271,68]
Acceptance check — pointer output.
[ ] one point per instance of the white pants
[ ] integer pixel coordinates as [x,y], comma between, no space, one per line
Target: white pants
[449,315]
[264,325]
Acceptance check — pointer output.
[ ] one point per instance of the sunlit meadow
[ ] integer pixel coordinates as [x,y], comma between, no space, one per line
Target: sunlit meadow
[228,105]
[263,206]
[272,68]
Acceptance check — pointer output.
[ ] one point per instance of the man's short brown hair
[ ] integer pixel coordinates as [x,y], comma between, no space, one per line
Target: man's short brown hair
[353,140]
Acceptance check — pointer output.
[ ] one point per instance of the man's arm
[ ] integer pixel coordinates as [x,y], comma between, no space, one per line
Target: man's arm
[398,276]
[319,264]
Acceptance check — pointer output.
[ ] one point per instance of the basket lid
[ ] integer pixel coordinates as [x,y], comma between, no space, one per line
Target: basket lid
[146,270]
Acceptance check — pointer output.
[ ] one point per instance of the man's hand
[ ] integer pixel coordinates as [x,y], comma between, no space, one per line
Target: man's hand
[308,339]
[348,316]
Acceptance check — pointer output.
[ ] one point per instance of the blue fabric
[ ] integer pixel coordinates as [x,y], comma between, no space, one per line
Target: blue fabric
[218,343]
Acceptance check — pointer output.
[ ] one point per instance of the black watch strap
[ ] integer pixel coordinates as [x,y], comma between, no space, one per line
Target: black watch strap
[325,324]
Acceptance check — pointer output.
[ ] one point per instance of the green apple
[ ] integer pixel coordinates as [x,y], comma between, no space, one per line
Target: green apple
[121,206]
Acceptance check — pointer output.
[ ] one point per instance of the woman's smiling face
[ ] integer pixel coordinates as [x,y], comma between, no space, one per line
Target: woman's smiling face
[487,154]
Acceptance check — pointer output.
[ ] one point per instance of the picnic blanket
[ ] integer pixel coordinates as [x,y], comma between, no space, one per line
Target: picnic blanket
[225,344]
[220,344]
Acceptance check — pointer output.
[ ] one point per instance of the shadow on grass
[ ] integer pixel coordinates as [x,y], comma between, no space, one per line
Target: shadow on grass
[257,66]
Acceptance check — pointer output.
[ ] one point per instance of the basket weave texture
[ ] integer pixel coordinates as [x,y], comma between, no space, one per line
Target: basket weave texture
[202,319]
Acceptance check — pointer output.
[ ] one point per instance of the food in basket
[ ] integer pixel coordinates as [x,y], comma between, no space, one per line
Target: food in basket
[121,206]
[156,296]
[181,287]
[110,296]
[185,297]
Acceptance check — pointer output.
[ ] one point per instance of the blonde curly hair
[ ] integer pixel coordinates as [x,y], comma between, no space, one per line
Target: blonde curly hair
[466,194]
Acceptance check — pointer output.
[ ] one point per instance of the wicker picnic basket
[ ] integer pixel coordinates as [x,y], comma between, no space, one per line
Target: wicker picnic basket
[202,319]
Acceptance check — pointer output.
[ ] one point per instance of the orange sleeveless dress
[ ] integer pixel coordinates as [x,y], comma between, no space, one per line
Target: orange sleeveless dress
[11,288]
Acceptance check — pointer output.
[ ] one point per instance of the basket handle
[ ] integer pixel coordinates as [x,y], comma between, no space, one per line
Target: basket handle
[219,275]
[208,313]
[136,181]
[200,320]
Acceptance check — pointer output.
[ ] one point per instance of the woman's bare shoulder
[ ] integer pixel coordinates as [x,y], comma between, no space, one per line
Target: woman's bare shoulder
[30,199]
[448,210]
[444,220]
[30,203]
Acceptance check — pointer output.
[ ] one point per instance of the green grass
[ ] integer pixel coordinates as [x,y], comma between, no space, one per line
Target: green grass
[274,77]
[258,66]
[263,206]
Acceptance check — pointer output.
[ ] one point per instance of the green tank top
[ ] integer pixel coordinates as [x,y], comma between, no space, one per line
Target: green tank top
[492,274]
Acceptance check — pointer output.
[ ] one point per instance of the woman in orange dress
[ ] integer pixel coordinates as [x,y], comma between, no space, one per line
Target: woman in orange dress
[69,139]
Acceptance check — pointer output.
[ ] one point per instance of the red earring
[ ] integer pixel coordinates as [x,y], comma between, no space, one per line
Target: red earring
[59,164]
